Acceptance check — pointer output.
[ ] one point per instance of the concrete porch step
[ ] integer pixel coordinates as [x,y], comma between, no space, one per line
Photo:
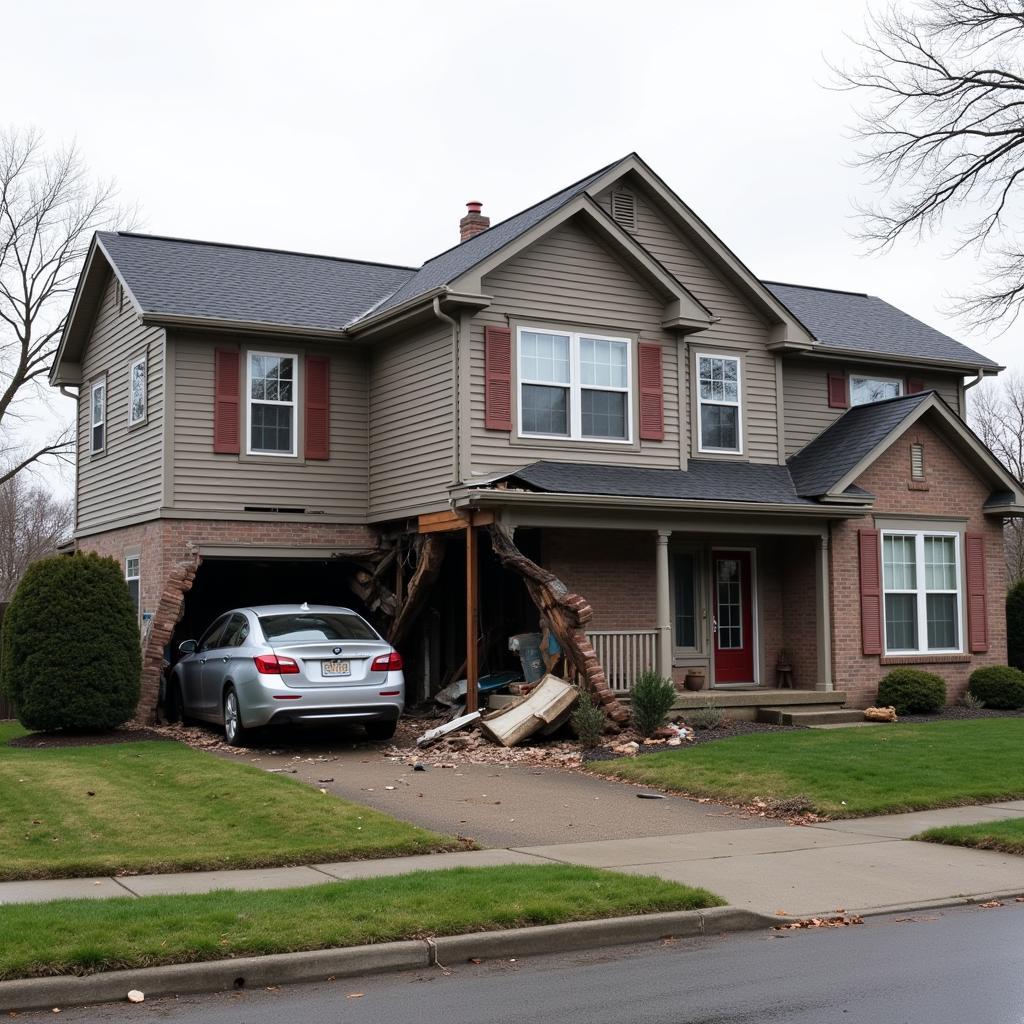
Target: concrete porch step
[814,716]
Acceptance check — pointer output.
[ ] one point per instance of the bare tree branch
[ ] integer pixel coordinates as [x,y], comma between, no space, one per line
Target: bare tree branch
[941,135]
[32,525]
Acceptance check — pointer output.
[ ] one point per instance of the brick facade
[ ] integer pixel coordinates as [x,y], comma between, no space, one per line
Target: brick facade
[950,489]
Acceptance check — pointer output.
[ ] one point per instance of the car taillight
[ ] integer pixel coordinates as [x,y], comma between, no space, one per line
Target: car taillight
[271,664]
[387,663]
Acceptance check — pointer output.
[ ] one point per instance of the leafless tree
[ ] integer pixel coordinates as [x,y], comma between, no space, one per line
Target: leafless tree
[32,524]
[49,207]
[997,414]
[941,131]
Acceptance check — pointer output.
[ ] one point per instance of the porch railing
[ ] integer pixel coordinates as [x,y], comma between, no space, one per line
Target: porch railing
[624,654]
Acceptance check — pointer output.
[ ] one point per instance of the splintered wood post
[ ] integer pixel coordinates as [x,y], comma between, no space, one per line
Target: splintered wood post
[472,582]
[566,615]
[428,565]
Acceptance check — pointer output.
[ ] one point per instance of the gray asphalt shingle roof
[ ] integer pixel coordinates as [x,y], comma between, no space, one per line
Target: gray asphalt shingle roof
[203,279]
[702,480]
[864,323]
[817,468]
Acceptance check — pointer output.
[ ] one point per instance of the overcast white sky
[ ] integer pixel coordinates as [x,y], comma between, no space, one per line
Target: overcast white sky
[361,129]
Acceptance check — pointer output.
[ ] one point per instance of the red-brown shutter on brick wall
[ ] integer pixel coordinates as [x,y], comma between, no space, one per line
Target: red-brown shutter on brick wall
[977,597]
[498,378]
[837,397]
[652,392]
[318,408]
[870,592]
[226,400]
[914,385]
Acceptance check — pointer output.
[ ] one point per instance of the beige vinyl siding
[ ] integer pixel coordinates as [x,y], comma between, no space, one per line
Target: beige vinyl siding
[805,395]
[411,435]
[204,482]
[124,482]
[739,324]
[570,280]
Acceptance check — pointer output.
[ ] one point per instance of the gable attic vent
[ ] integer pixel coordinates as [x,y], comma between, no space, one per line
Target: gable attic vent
[624,209]
[917,461]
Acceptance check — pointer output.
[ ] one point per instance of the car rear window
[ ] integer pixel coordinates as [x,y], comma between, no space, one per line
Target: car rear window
[304,627]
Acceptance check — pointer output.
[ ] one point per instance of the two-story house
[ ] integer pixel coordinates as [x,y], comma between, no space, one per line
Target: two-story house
[731,472]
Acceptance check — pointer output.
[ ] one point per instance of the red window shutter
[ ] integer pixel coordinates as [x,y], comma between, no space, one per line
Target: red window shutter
[226,399]
[837,396]
[977,598]
[870,592]
[652,392]
[498,378]
[318,408]
[914,385]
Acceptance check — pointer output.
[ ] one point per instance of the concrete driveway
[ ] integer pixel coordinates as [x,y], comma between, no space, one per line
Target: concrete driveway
[497,805]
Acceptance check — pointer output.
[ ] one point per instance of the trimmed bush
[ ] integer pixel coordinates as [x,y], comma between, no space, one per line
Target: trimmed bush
[71,657]
[709,716]
[999,686]
[587,721]
[1015,626]
[912,692]
[651,699]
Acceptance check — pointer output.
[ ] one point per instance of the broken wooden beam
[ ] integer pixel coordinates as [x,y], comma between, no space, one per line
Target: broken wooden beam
[428,566]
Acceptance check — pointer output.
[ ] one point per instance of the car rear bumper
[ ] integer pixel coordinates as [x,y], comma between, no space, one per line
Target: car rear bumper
[268,701]
[327,716]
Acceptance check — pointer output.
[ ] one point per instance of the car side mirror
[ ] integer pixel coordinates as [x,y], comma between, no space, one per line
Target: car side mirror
[187,647]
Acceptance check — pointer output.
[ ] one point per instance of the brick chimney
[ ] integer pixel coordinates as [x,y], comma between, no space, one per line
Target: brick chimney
[474,222]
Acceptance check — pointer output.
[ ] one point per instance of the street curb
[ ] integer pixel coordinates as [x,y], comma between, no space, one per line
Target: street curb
[319,965]
[940,904]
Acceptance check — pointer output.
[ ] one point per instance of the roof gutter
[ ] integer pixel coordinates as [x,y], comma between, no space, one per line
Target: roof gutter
[823,351]
[248,326]
[977,380]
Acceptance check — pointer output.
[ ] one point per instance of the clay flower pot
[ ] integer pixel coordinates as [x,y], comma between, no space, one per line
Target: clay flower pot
[694,680]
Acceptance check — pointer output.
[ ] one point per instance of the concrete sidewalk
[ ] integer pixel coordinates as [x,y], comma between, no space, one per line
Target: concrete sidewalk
[859,864]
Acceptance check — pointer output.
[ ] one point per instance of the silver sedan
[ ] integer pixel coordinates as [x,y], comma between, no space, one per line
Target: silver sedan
[288,663]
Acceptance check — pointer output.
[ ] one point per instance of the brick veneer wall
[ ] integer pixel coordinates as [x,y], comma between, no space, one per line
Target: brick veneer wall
[950,489]
[169,557]
[800,609]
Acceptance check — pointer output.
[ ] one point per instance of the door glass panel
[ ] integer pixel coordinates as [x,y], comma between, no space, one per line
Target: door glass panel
[729,603]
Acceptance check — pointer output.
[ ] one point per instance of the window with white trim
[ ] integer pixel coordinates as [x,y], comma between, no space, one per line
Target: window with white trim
[271,409]
[137,391]
[98,415]
[574,385]
[132,576]
[922,592]
[719,427]
[874,389]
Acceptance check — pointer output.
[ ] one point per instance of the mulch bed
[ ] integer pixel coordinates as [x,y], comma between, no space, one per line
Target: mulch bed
[60,739]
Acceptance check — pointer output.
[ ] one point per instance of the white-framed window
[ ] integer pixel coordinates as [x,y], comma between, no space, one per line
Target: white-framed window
[874,389]
[272,387]
[98,415]
[922,592]
[719,395]
[575,385]
[132,577]
[137,391]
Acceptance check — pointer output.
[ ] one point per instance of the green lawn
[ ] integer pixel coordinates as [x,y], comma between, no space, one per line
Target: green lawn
[848,772]
[159,806]
[83,936]
[1005,836]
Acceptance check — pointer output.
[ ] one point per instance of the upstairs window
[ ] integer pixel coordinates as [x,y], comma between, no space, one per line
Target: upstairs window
[272,394]
[574,385]
[874,389]
[137,391]
[98,416]
[718,423]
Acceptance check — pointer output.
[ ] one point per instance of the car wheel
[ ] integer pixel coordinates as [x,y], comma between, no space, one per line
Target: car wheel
[174,708]
[234,732]
[380,730]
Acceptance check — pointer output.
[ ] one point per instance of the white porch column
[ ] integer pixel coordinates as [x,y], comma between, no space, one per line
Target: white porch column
[663,606]
[824,615]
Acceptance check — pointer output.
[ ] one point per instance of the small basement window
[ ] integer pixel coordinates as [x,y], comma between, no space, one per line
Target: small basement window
[624,209]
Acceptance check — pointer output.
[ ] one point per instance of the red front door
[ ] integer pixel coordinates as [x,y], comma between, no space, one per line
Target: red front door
[733,618]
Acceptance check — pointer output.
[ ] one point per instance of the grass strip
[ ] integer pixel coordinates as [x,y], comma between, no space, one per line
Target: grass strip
[847,772]
[1005,836]
[158,806]
[85,936]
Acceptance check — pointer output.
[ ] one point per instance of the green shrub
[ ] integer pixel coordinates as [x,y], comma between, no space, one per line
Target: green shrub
[998,686]
[968,700]
[651,700]
[707,717]
[911,691]
[587,721]
[71,657]
[1015,625]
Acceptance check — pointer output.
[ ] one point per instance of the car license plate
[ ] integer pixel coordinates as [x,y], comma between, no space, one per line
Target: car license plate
[335,668]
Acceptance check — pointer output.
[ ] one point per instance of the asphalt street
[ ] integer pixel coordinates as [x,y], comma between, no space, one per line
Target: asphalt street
[925,968]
